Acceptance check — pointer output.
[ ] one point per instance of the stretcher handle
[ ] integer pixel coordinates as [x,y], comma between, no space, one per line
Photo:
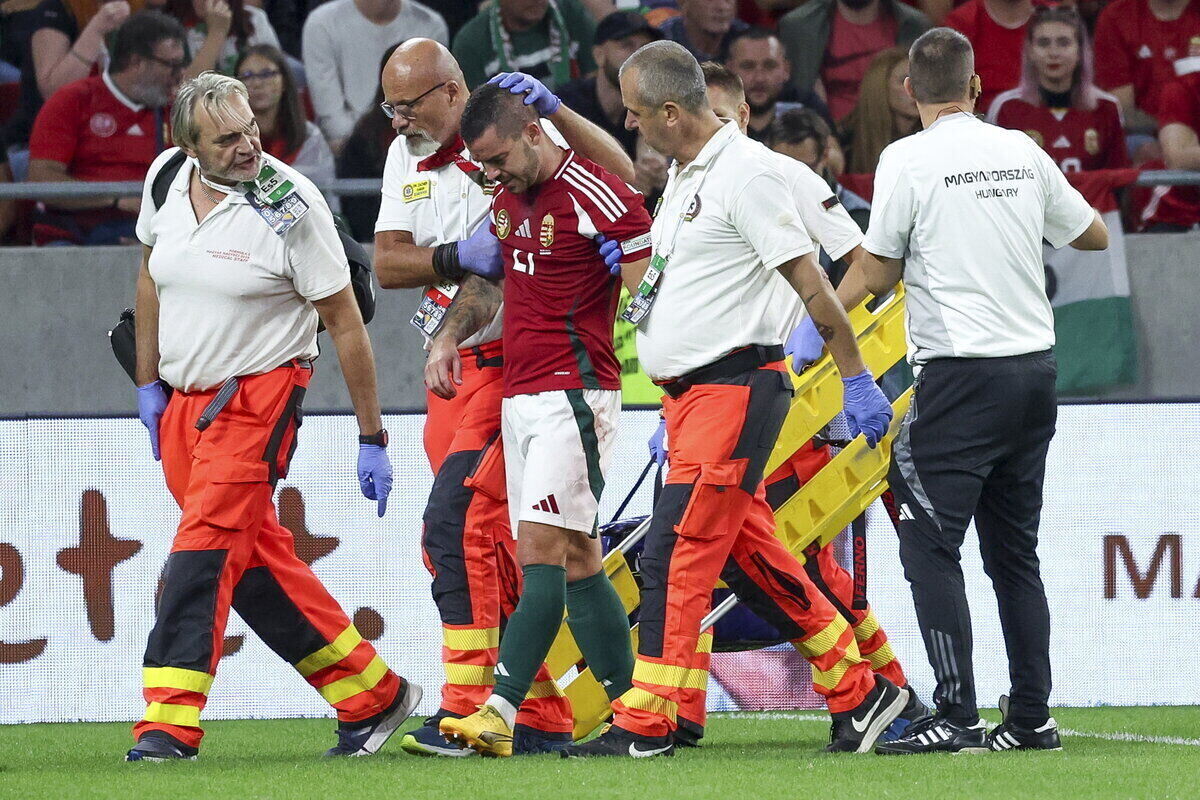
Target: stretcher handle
[636,485]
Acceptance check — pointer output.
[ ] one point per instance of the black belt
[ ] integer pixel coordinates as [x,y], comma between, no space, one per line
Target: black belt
[482,361]
[736,363]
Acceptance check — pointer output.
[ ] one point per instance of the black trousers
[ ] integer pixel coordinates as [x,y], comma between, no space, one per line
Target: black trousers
[974,444]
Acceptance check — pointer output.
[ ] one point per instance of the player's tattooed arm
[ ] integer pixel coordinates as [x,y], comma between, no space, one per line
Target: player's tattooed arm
[476,304]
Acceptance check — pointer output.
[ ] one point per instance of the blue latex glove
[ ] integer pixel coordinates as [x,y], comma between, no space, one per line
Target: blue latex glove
[480,253]
[375,474]
[537,94]
[805,345]
[152,402]
[658,443]
[867,410]
[610,250]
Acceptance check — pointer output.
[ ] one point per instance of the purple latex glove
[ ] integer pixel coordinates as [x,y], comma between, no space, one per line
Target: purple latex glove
[375,474]
[152,402]
[537,94]
[867,410]
[610,250]
[805,345]
[658,443]
[480,253]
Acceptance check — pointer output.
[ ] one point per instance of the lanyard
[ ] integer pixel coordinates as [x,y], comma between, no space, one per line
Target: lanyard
[639,307]
[559,64]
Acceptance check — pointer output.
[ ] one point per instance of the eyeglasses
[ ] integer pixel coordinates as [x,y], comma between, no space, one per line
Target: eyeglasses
[174,66]
[265,75]
[408,108]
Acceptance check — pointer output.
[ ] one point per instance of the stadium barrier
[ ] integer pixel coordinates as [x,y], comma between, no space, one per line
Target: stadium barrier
[87,523]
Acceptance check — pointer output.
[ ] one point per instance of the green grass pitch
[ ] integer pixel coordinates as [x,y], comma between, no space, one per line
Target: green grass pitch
[1109,753]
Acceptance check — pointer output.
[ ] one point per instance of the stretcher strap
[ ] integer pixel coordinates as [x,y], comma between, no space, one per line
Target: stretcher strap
[224,395]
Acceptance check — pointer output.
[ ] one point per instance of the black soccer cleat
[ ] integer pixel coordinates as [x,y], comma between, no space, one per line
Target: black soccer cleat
[364,738]
[1010,736]
[856,731]
[156,746]
[529,741]
[914,711]
[937,735]
[619,742]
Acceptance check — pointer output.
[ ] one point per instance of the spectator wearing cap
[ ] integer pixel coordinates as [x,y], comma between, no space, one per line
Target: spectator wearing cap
[996,30]
[548,39]
[704,27]
[831,43]
[344,41]
[109,127]
[597,97]
[757,57]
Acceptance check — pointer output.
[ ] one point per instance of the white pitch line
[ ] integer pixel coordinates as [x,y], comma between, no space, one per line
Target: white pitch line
[1111,737]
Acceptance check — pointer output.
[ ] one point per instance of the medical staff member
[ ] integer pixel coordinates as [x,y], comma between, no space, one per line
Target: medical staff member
[431,234]
[239,262]
[959,213]
[708,336]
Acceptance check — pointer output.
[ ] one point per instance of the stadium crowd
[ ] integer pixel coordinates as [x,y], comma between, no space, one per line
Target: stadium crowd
[1106,87]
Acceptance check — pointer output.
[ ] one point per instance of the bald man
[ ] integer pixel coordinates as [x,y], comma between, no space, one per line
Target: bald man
[431,233]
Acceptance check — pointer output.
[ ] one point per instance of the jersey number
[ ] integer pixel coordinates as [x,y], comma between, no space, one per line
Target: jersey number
[523,264]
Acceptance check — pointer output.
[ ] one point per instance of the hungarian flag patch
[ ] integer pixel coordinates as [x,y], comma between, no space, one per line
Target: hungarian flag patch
[831,202]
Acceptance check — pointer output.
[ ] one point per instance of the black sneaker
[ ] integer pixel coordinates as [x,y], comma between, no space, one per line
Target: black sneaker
[855,731]
[155,746]
[936,735]
[1010,736]
[529,741]
[427,740]
[619,742]
[364,738]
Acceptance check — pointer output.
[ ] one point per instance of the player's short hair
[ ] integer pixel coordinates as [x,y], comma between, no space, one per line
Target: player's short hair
[668,73]
[488,106]
[718,76]
[798,125]
[139,34]
[210,89]
[940,65]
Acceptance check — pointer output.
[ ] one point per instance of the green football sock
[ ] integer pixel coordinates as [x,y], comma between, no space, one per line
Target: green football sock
[601,629]
[530,630]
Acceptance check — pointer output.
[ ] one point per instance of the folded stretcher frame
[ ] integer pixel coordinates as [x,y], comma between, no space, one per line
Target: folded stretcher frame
[819,510]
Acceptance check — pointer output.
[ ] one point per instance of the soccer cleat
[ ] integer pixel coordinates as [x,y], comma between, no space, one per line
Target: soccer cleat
[1010,736]
[485,732]
[616,741]
[529,741]
[936,735]
[686,737]
[427,740]
[364,738]
[156,746]
[857,730]
[914,711]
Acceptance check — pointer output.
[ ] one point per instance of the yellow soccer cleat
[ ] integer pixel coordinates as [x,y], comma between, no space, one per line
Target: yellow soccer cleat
[485,732]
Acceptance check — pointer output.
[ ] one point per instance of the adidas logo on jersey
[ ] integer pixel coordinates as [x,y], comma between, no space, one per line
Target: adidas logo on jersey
[549,505]
[523,229]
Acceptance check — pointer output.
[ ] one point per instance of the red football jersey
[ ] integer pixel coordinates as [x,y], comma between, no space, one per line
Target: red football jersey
[997,49]
[1135,47]
[1177,205]
[99,136]
[559,300]
[1076,139]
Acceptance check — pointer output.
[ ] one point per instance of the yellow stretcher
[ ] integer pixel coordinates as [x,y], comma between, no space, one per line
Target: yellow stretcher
[819,511]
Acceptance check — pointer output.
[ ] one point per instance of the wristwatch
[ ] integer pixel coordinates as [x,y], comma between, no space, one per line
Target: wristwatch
[379,439]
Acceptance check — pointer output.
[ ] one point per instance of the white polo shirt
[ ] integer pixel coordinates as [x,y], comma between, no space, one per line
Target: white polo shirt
[234,297]
[727,220]
[438,206]
[966,205]
[827,222]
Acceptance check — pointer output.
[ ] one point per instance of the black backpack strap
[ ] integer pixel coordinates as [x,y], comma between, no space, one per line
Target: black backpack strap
[164,178]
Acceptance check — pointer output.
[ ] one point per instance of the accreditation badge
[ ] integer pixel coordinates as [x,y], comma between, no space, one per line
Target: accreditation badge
[647,291]
[434,305]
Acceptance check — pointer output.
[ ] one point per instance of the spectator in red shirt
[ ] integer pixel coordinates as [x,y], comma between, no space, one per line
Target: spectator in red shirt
[832,42]
[996,29]
[108,127]
[1137,43]
[275,101]
[1175,209]
[1057,102]
[883,114]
